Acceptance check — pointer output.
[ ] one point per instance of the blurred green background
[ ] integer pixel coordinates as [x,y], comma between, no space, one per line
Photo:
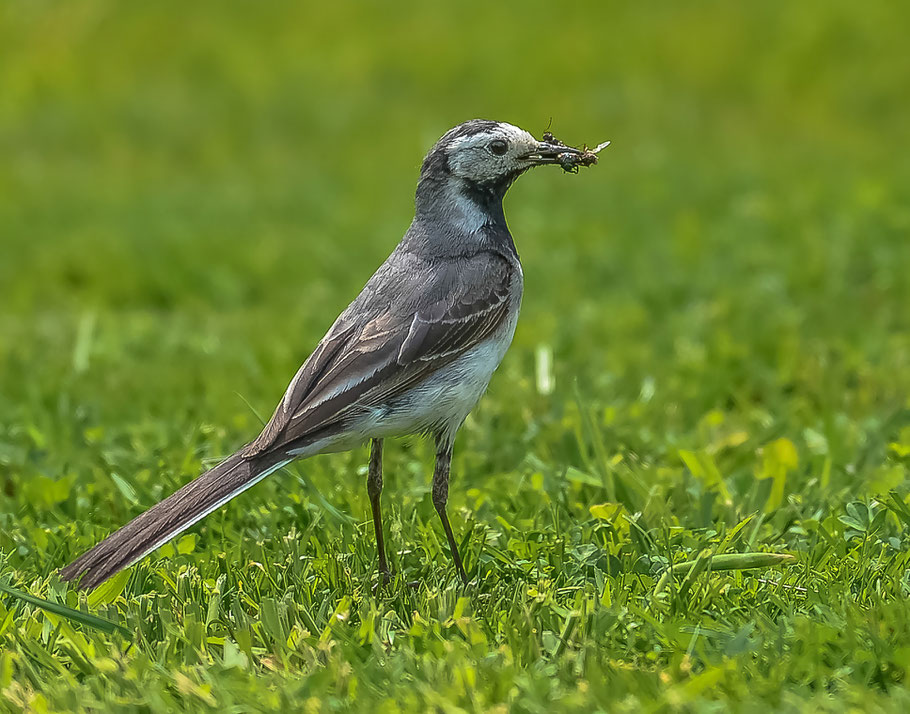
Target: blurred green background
[221,179]
[190,192]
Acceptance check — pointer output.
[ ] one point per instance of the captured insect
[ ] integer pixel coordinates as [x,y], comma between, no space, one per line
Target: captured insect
[571,159]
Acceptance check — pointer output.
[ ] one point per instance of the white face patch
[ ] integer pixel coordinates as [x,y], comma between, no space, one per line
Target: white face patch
[492,154]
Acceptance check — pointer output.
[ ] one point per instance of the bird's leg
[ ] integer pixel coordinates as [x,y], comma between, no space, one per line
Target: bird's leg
[374,489]
[441,495]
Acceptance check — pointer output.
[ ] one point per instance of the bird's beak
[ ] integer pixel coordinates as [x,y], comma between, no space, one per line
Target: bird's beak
[547,153]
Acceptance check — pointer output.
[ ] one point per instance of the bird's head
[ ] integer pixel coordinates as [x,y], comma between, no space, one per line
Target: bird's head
[477,161]
[488,153]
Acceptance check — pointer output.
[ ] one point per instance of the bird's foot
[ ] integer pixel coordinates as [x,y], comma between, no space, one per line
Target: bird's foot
[385,577]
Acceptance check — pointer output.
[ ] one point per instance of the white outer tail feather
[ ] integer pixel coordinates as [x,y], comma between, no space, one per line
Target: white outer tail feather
[193,521]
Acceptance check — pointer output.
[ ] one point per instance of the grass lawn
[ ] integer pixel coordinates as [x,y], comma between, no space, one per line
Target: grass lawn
[713,356]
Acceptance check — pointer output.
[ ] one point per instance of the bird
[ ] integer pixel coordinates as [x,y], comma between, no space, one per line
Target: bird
[412,354]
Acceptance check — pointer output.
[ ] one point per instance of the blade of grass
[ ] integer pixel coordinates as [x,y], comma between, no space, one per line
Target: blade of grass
[84,618]
[699,565]
[729,561]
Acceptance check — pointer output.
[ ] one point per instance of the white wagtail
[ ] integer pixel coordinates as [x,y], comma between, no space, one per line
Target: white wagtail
[411,355]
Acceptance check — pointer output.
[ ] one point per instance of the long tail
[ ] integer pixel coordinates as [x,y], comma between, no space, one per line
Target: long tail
[166,519]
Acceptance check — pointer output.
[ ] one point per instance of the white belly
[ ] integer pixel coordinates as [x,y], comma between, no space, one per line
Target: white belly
[439,404]
[444,400]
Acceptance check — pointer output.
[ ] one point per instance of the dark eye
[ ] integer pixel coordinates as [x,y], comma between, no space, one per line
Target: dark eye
[499,146]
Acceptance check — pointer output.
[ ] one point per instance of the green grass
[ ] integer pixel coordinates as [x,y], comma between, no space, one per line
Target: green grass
[189,193]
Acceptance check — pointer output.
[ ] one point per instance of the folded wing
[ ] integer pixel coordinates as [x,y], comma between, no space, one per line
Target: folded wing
[389,340]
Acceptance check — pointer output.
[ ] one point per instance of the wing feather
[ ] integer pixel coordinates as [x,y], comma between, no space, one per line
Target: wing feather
[376,352]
